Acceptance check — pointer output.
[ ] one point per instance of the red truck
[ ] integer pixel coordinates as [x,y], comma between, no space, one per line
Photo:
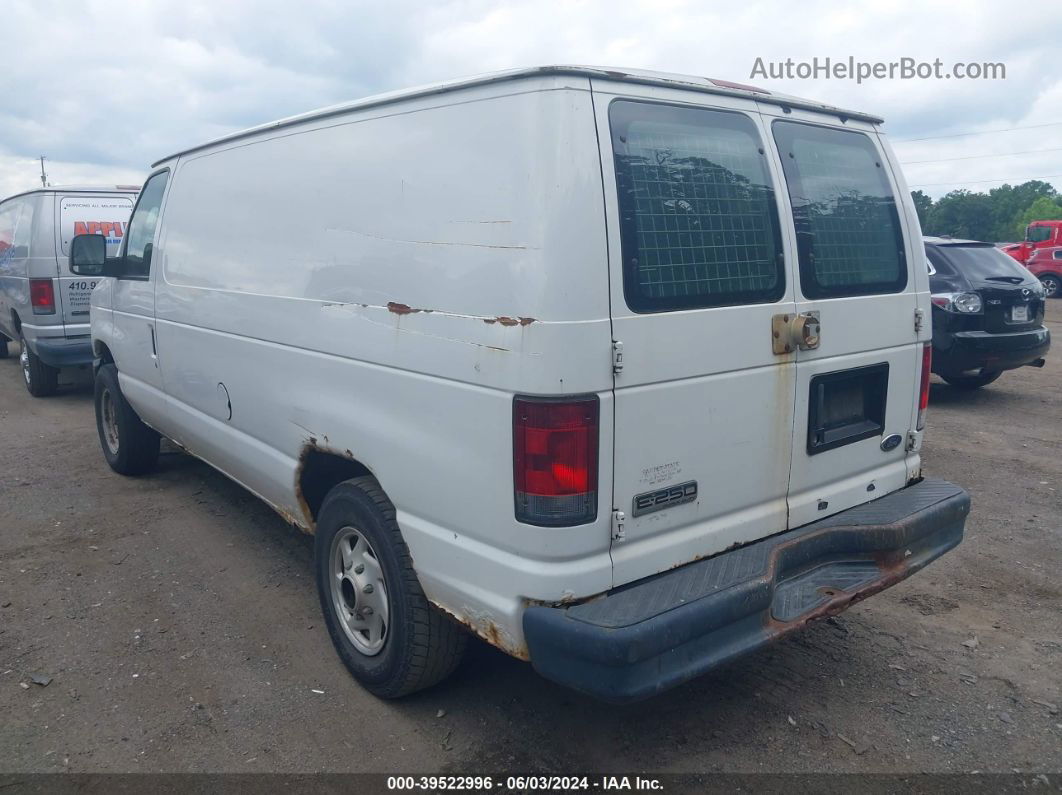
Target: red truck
[1038,235]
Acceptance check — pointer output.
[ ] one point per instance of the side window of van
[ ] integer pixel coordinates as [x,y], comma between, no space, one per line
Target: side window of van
[141,234]
[23,233]
[698,222]
[847,224]
[9,213]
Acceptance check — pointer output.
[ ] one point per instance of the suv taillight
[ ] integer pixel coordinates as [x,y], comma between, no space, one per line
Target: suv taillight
[42,296]
[923,390]
[555,444]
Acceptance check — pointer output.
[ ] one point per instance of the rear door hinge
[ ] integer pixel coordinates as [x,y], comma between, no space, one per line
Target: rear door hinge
[912,442]
[617,357]
[619,532]
[920,319]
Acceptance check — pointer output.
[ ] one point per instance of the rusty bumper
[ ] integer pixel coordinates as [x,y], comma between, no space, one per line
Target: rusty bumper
[656,633]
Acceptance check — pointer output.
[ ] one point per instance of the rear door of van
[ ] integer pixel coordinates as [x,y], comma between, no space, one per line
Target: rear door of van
[85,214]
[696,212]
[859,363]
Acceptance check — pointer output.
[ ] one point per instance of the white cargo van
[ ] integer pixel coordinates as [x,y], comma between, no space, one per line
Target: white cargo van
[42,304]
[624,372]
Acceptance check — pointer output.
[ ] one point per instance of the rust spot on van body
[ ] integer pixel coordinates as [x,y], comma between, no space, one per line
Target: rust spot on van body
[401,309]
[290,518]
[509,321]
[487,630]
[307,523]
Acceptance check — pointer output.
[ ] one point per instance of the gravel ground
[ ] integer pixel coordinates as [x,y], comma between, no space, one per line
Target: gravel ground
[176,618]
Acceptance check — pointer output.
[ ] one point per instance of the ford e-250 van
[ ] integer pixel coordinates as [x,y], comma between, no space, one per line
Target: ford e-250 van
[626,373]
[42,304]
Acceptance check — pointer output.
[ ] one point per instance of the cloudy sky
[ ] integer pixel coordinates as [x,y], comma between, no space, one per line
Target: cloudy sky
[105,87]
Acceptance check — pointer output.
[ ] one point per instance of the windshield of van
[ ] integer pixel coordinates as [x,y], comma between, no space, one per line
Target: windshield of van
[698,221]
[980,262]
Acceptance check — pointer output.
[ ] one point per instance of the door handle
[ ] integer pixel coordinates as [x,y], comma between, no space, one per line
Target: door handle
[789,332]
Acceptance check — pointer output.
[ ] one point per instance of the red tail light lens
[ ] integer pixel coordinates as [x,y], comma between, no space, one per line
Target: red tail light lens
[42,296]
[555,445]
[923,394]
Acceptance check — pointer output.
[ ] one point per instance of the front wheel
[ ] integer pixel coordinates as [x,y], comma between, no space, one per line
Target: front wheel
[130,446]
[1052,285]
[386,632]
[972,381]
[41,379]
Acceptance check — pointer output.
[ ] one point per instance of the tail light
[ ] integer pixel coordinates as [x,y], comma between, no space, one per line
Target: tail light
[555,445]
[923,389]
[42,296]
[963,303]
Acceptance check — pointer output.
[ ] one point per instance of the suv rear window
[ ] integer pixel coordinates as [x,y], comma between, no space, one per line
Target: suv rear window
[847,224]
[978,262]
[698,221]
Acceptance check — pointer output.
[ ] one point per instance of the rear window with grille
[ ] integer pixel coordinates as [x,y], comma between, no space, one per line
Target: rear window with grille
[698,221]
[848,228]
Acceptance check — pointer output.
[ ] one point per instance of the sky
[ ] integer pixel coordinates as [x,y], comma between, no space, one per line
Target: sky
[105,88]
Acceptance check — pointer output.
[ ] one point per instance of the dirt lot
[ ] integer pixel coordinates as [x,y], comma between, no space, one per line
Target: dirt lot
[177,619]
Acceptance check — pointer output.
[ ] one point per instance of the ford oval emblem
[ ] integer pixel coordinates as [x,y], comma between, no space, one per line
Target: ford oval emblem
[891,442]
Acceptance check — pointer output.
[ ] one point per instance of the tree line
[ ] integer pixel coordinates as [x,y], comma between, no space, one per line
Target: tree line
[999,216]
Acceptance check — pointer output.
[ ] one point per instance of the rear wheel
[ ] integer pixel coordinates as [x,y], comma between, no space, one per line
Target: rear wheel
[386,632]
[130,446]
[972,381]
[41,379]
[1052,285]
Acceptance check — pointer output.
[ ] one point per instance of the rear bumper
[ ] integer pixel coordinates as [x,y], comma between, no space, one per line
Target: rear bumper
[62,352]
[962,351]
[656,633]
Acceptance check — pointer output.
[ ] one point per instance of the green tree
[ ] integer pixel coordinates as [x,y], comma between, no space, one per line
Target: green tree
[1008,201]
[962,214]
[923,204]
[1045,208]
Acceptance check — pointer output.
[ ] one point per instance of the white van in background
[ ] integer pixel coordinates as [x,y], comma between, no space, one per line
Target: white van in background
[42,304]
[624,372]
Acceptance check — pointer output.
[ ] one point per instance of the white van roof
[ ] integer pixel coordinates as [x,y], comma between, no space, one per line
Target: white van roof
[688,82]
[77,189]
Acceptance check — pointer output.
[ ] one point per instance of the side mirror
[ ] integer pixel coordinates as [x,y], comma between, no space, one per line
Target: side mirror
[88,255]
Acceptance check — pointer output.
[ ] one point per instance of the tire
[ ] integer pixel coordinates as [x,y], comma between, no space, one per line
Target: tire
[1052,285]
[403,644]
[972,381]
[41,379]
[4,352]
[130,446]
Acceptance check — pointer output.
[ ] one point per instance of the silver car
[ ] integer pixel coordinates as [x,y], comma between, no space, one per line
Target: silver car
[42,304]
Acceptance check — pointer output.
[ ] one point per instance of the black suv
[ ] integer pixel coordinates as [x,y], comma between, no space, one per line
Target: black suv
[988,312]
